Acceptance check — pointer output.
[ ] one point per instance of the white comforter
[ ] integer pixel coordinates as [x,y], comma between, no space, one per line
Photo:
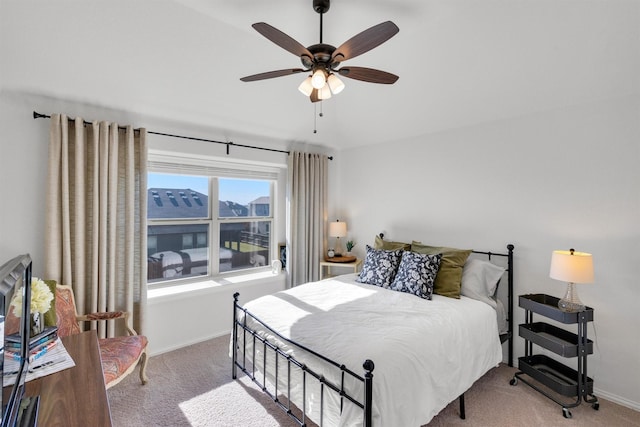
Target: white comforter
[426,353]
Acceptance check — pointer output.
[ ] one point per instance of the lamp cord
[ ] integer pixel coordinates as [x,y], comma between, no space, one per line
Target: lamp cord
[595,340]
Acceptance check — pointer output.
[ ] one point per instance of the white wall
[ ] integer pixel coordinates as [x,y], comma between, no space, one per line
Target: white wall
[553,180]
[180,319]
[23,170]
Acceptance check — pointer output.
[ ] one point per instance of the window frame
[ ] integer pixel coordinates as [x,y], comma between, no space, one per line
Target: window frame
[214,170]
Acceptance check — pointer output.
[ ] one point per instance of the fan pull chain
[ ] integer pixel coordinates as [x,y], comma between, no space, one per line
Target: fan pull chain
[315,116]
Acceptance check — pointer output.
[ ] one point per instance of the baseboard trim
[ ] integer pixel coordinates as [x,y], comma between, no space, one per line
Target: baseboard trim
[616,399]
[160,351]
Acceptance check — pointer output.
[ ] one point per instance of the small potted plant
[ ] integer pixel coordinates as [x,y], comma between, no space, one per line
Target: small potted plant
[350,245]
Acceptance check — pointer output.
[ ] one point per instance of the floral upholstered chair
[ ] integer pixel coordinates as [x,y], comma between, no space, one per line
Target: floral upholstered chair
[120,355]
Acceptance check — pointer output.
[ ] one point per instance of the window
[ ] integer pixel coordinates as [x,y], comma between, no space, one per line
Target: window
[205,225]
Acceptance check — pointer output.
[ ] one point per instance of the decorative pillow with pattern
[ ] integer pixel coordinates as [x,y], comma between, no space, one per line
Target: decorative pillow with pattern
[417,274]
[380,267]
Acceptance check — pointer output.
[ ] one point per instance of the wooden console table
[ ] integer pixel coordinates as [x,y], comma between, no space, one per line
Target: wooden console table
[75,396]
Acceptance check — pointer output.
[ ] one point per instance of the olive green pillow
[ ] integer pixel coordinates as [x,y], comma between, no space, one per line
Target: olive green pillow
[380,243]
[50,318]
[449,277]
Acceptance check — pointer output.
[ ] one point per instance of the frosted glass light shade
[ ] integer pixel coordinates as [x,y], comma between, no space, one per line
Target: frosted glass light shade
[335,84]
[324,92]
[318,79]
[305,87]
[337,229]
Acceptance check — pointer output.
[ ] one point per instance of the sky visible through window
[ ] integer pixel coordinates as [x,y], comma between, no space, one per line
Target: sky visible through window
[240,191]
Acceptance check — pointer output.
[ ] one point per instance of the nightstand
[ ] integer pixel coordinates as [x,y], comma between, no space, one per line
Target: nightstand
[547,371]
[349,267]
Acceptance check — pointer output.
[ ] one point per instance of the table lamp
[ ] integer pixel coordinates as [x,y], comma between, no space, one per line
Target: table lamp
[571,267]
[338,229]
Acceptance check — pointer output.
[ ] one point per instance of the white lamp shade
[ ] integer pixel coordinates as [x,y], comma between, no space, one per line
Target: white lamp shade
[306,87]
[337,229]
[318,79]
[571,266]
[324,92]
[335,84]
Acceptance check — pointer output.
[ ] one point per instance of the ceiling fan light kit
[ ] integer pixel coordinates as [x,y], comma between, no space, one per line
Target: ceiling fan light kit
[322,60]
[318,79]
[306,87]
[335,84]
[324,93]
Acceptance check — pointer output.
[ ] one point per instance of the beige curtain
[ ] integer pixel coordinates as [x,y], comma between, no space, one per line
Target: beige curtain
[307,215]
[96,216]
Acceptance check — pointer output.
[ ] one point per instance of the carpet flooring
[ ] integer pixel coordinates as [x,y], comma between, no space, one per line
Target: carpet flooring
[192,387]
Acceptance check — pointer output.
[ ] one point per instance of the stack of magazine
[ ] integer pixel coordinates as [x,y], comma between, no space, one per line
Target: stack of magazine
[47,355]
[39,344]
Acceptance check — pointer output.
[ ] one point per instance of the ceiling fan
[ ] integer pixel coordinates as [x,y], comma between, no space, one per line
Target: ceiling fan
[323,60]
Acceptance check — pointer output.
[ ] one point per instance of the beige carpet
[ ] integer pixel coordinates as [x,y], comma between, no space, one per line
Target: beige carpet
[193,387]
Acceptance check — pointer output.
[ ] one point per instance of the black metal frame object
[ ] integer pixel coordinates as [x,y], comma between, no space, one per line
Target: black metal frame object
[365,402]
[228,144]
[367,379]
[508,336]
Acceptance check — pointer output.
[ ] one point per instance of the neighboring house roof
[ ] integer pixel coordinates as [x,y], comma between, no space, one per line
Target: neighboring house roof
[231,209]
[176,203]
[264,200]
[187,203]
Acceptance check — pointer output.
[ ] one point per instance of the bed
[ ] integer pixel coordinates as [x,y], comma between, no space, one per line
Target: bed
[339,352]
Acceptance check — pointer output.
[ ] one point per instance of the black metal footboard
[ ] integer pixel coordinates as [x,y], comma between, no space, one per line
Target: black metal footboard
[248,333]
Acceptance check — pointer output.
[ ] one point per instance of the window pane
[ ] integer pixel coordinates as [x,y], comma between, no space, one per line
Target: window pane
[244,245]
[182,215]
[177,196]
[243,197]
[171,252]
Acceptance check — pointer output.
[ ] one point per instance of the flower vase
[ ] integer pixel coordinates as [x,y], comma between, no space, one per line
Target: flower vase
[37,323]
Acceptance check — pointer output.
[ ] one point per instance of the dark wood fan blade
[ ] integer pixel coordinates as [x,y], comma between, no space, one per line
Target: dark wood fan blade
[272,74]
[315,96]
[369,75]
[281,39]
[365,41]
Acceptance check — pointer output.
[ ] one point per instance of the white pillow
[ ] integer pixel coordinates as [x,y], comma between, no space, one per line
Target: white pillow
[480,280]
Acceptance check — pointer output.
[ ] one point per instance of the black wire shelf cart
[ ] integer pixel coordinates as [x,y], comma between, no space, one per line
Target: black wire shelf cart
[544,370]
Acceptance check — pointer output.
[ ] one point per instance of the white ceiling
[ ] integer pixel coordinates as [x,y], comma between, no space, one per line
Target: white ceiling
[460,62]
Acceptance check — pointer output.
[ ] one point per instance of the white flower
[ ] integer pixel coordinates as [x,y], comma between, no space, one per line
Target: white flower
[41,298]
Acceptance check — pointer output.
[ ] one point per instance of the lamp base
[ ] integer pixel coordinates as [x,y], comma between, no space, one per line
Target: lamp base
[338,250]
[571,303]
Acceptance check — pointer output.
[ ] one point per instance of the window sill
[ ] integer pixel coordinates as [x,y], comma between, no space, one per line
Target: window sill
[211,285]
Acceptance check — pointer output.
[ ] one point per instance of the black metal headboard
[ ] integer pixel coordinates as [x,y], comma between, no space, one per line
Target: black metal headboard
[508,336]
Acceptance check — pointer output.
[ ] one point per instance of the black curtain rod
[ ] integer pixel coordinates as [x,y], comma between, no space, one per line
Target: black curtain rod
[37,115]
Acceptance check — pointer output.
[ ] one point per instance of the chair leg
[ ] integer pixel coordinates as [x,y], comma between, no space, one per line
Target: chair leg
[143,368]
